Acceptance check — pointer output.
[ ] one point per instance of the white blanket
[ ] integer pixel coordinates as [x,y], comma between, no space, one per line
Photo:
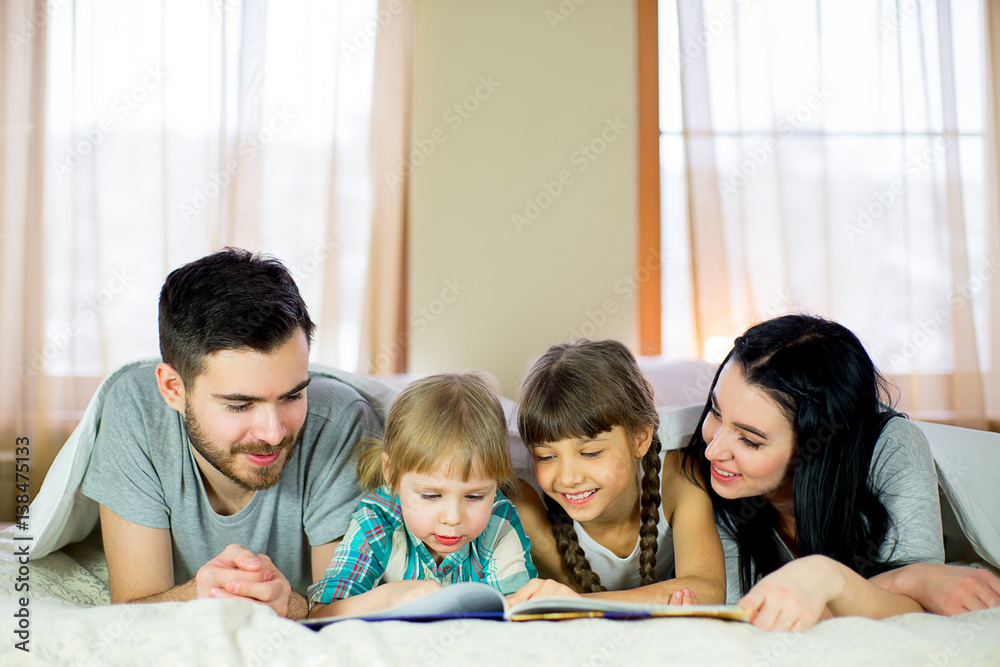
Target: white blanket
[221,633]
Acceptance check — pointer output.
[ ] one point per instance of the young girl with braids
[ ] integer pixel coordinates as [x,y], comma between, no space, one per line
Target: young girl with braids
[435,514]
[619,517]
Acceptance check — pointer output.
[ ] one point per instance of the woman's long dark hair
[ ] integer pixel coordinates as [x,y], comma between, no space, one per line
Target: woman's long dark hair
[578,390]
[822,378]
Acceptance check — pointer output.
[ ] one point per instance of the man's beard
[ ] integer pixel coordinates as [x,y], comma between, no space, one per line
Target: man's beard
[259,478]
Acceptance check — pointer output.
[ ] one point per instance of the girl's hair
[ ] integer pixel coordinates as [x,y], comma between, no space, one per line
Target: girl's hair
[454,419]
[824,382]
[578,390]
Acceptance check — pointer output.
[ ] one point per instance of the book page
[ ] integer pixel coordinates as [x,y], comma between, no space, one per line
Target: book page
[465,600]
[557,608]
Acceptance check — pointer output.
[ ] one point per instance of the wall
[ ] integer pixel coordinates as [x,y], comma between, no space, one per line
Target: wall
[524,185]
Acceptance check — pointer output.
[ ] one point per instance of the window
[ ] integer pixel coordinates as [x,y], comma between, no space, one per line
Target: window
[829,157]
[173,129]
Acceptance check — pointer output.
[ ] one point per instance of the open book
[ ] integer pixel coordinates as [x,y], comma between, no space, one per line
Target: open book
[477,600]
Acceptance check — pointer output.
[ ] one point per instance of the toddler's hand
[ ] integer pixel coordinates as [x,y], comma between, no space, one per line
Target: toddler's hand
[391,594]
[401,592]
[541,588]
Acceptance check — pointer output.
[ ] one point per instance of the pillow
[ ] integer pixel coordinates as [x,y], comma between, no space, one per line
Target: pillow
[677,423]
[60,514]
[678,382]
[968,468]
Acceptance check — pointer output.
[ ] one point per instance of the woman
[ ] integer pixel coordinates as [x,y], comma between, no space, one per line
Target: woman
[826,499]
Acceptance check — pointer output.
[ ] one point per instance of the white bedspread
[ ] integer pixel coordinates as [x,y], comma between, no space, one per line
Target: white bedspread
[72,624]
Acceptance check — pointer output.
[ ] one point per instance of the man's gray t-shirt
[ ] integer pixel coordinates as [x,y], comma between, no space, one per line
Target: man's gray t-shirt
[142,469]
[903,475]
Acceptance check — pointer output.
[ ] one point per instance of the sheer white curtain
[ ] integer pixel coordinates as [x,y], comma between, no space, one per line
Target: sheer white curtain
[836,158]
[163,131]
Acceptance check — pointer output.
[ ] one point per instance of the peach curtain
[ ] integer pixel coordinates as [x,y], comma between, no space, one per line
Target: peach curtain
[991,377]
[22,76]
[384,334]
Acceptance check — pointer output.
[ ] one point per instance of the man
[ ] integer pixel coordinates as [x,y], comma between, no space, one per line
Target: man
[214,474]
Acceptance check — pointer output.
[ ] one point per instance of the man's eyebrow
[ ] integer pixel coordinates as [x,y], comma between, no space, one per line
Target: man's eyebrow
[744,427]
[247,398]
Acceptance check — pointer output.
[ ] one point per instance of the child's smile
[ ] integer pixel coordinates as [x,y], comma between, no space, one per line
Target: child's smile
[580,498]
[592,478]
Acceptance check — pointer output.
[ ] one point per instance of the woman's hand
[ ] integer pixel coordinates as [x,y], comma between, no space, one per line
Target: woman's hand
[943,589]
[541,588]
[795,597]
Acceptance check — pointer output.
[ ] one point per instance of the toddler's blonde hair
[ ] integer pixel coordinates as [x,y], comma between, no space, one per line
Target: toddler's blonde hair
[452,419]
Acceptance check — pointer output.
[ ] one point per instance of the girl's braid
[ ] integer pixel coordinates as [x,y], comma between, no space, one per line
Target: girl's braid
[649,512]
[569,547]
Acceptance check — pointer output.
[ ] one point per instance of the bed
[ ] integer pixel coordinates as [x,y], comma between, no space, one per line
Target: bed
[73,624]
[70,620]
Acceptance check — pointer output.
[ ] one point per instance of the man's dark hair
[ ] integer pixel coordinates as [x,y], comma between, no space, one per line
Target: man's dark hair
[231,300]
